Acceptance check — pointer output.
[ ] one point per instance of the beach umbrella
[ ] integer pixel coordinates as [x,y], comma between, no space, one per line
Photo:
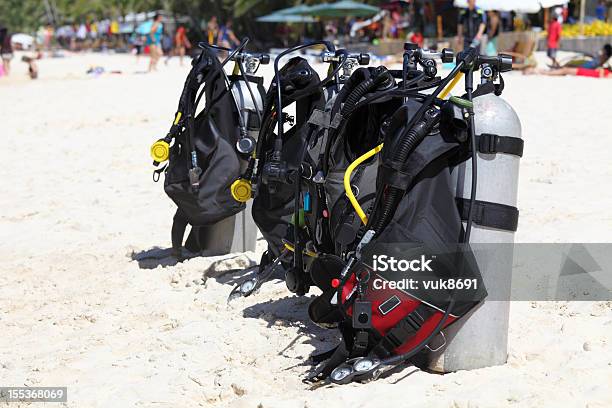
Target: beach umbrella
[285,18]
[342,9]
[522,6]
[552,3]
[295,10]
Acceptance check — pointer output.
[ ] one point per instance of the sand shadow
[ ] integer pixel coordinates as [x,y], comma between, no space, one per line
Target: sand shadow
[164,257]
[292,311]
[157,256]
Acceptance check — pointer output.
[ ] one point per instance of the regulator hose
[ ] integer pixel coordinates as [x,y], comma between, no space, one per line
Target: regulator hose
[407,144]
[358,76]
[380,75]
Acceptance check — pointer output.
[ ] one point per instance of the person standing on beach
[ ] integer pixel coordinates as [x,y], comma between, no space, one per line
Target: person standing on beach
[226,37]
[601,11]
[554,38]
[493,28]
[212,30]
[6,50]
[471,25]
[154,41]
[181,43]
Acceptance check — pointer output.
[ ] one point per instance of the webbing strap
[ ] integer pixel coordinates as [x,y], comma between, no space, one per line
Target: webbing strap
[393,175]
[490,144]
[487,214]
[319,118]
[336,121]
[402,331]
[179,225]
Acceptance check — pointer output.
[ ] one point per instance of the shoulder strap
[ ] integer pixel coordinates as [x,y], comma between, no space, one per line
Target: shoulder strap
[402,331]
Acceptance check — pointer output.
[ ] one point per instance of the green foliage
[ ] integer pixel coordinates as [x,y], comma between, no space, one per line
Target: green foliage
[21,15]
[28,15]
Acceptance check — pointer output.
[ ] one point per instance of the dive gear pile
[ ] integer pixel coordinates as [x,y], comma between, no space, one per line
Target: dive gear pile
[374,161]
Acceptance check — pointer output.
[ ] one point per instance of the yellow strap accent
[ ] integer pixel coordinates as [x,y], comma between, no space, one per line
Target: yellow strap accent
[347,174]
[347,181]
[177,118]
[236,70]
[305,251]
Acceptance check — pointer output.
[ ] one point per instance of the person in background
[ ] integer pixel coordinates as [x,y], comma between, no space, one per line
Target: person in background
[554,38]
[471,26]
[212,29]
[601,11]
[138,42]
[154,41]
[417,38]
[600,67]
[6,50]
[506,20]
[386,26]
[167,46]
[181,42]
[493,29]
[226,37]
[31,61]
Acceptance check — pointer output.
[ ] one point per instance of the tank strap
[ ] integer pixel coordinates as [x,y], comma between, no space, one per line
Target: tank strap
[402,331]
[490,144]
[487,214]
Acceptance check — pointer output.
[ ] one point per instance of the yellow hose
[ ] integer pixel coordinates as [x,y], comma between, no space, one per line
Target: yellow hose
[347,174]
[305,251]
[347,181]
[451,85]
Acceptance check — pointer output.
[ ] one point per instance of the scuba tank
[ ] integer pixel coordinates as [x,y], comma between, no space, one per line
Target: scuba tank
[203,158]
[499,147]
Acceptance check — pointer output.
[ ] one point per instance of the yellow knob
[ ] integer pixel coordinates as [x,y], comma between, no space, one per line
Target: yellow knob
[160,151]
[241,190]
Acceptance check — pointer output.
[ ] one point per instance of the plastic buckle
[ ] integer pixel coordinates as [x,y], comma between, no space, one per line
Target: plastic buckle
[439,347]
[487,143]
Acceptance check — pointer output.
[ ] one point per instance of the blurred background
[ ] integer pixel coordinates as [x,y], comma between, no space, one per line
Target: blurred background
[380,26]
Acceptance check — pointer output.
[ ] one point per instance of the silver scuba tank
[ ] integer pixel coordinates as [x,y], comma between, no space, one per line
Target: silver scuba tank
[248,110]
[239,232]
[481,339]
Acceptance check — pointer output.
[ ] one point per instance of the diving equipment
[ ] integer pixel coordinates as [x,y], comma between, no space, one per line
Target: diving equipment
[499,149]
[203,158]
[425,139]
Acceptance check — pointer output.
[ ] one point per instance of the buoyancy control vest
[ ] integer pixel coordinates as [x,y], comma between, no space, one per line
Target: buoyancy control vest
[273,205]
[426,221]
[414,212]
[201,150]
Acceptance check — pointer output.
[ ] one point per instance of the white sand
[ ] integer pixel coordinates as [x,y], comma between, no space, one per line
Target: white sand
[77,200]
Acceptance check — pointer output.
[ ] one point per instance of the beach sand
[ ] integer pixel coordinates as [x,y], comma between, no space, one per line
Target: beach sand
[78,204]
